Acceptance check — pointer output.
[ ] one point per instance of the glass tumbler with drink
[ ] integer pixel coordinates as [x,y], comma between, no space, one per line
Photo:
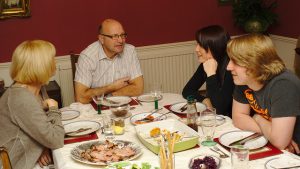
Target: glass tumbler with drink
[192,115]
[107,127]
[207,123]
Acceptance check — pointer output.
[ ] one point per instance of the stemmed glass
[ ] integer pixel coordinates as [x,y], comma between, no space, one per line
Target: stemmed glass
[207,123]
[156,90]
[98,100]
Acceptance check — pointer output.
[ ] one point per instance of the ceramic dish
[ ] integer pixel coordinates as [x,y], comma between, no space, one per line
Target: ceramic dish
[69,114]
[177,106]
[230,137]
[148,98]
[283,162]
[189,136]
[134,119]
[131,164]
[202,156]
[91,126]
[220,119]
[76,152]
[120,100]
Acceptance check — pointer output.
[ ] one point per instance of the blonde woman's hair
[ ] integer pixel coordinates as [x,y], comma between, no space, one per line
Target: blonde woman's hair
[257,53]
[33,62]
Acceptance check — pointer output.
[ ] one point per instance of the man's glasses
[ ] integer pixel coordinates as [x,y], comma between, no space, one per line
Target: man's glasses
[115,36]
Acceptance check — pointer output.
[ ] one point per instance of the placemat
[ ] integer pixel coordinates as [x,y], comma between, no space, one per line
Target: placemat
[91,136]
[266,151]
[131,103]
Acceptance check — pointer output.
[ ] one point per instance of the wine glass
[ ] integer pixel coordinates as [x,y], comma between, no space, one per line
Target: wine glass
[155,91]
[98,100]
[207,123]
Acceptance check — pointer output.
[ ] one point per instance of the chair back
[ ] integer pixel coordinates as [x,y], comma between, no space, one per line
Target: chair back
[5,158]
[297,58]
[74,59]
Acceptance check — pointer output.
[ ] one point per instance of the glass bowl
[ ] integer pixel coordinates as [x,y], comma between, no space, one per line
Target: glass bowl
[119,110]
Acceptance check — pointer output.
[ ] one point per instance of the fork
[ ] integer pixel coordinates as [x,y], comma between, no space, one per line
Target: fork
[220,152]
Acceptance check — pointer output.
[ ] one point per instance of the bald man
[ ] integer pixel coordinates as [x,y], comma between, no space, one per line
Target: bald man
[108,66]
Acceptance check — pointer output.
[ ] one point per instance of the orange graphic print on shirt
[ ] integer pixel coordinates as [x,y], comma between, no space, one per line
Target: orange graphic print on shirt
[254,105]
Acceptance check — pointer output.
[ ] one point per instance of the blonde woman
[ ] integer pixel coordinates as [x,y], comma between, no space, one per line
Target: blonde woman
[264,85]
[27,131]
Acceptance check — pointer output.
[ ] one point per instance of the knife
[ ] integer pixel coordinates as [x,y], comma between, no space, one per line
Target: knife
[246,139]
[78,131]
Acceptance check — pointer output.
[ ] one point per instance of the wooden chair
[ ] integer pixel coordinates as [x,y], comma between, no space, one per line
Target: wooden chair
[5,158]
[74,59]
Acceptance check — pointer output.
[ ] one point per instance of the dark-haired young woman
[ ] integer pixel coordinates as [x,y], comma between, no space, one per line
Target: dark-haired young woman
[211,51]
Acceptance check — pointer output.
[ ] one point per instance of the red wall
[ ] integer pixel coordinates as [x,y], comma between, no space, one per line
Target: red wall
[72,25]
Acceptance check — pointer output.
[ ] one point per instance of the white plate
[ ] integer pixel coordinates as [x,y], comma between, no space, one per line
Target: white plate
[220,119]
[202,156]
[148,98]
[69,114]
[176,107]
[284,161]
[120,99]
[189,140]
[230,137]
[81,124]
[140,116]
[129,164]
[76,152]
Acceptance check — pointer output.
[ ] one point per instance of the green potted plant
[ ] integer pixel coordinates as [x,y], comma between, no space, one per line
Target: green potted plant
[254,15]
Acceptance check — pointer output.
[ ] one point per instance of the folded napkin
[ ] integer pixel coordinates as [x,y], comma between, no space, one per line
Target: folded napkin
[91,136]
[133,102]
[266,151]
[179,115]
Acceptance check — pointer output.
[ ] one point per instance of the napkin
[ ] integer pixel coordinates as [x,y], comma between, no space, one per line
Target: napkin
[266,151]
[91,136]
[131,103]
[179,115]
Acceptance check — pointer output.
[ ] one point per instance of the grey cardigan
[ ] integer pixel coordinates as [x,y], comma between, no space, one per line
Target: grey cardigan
[25,128]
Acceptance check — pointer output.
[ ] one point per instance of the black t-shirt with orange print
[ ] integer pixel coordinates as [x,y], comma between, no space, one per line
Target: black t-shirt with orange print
[280,97]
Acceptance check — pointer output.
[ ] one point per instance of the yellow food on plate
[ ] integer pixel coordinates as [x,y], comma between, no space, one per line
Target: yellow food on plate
[155,132]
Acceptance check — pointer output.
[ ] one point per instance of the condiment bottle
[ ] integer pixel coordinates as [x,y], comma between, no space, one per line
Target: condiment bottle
[191,113]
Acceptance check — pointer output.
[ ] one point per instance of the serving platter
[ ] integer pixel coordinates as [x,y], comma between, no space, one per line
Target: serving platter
[177,106]
[87,125]
[76,152]
[189,136]
[227,138]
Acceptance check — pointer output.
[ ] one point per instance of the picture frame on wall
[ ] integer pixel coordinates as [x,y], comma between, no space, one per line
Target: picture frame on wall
[225,2]
[14,8]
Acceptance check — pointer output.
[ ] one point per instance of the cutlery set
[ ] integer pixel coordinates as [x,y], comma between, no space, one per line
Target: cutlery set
[78,131]
[219,151]
[242,141]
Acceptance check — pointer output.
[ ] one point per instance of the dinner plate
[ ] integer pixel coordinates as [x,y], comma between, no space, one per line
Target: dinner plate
[284,161]
[202,156]
[119,99]
[220,119]
[69,114]
[230,137]
[131,164]
[148,98]
[84,124]
[76,152]
[140,116]
[177,106]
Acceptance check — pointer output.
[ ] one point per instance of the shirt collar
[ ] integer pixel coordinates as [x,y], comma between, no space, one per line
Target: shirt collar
[102,54]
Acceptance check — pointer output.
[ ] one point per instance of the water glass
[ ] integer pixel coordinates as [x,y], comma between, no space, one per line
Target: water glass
[207,123]
[98,100]
[156,91]
[239,157]
[107,127]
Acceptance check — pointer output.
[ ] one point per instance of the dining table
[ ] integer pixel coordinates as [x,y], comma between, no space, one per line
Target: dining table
[63,159]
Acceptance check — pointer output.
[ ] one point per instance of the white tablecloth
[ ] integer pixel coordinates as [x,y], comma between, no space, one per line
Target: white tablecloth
[63,160]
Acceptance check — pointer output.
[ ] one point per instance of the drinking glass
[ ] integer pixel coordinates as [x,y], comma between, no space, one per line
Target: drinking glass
[118,125]
[207,123]
[156,91]
[239,157]
[98,100]
[107,127]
